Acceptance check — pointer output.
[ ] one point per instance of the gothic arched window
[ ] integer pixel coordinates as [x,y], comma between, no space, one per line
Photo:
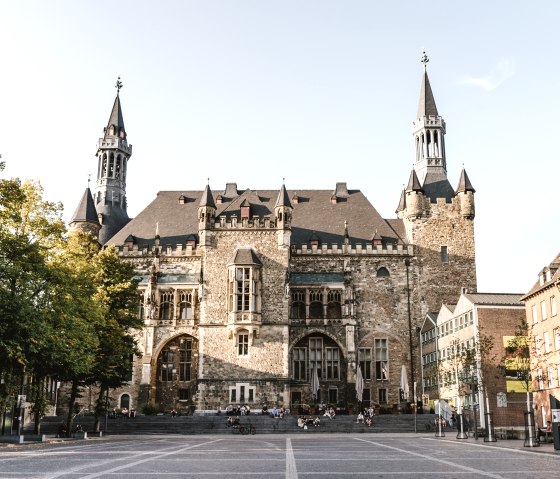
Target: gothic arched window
[185,305]
[334,306]
[316,304]
[298,304]
[166,305]
[382,272]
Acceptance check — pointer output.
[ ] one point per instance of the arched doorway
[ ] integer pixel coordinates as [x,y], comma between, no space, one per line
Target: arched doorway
[125,401]
[317,352]
[176,374]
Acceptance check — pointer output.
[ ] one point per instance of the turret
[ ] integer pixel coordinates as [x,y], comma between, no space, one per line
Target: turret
[113,153]
[283,215]
[465,193]
[206,210]
[414,197]
[85,219]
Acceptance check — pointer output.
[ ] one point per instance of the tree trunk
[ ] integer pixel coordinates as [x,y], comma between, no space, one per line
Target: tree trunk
[71,401]
[100,407]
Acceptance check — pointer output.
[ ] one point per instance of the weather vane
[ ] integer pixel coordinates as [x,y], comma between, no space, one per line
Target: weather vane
[424,59]
[118,85]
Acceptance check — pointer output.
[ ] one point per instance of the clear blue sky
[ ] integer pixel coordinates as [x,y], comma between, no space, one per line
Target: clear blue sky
[313,91]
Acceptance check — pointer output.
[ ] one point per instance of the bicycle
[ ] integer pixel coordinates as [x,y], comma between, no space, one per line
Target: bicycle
[244,430]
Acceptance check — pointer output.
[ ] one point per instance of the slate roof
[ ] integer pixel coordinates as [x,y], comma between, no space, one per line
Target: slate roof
[316,278]
[554,268]
[436,185]
[245,256]
[314,213]
[427,103]
[116,118]
[495,299]
[86,209]
[464,183]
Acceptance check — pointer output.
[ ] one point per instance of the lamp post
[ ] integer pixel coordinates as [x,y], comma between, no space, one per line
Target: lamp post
[411,350]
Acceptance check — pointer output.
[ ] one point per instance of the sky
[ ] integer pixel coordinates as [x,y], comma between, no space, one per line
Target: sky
[316,92]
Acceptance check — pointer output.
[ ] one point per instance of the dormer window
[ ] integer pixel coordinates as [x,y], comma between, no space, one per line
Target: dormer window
[182,199]
[191,241]
[219,199]
[314,241]
[245,210]
[129,242]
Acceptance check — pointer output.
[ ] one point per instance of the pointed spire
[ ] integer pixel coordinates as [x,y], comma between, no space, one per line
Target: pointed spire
[85,212]
[427,104]
[464,183]
[207,199]
[283,198]
[116,118]
[413,182]
[402,201]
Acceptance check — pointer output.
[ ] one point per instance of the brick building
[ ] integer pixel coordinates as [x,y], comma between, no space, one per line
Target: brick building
[541,304]
[244,292]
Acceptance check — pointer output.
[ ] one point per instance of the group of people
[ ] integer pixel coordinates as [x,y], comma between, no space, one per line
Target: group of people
[124,412]
[366,417]
[329,412]
[307,421]
[243,410]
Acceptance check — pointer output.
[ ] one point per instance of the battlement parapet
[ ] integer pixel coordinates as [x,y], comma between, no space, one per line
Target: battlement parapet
[357,250]
[179,249]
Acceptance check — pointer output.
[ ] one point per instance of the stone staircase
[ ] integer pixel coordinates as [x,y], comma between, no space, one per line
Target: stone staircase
[215,424]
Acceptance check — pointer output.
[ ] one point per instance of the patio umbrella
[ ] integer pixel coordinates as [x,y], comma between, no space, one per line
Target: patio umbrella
[314,383]
[359,384]
[404,382]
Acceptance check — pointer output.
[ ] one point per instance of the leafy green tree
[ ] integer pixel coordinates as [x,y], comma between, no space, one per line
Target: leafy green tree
[30,231]
[117,295]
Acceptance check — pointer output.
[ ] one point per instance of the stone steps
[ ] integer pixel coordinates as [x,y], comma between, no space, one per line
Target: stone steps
[217,424]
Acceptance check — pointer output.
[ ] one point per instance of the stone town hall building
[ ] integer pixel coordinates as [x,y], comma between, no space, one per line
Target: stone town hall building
[245,292]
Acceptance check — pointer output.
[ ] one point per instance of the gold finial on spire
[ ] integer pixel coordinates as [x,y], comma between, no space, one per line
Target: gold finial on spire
[283,181]
[208,181]
[424,59]
[118,85]
[88,179]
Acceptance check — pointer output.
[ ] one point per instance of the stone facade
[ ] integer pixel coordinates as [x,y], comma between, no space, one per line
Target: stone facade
[245,294]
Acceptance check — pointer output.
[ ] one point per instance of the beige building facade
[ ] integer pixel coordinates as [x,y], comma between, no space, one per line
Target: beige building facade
[471,339]
[245,293]
[543,322]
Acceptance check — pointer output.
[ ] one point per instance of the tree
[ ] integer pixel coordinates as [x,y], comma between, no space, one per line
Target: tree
[517,359]
[117,296]
[30,231]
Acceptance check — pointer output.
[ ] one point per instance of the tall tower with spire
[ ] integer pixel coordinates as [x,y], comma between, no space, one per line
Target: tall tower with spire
[113,153]
[429,137]
[438,220]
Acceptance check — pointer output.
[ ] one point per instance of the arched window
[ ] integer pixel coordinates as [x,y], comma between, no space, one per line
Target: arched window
[334,306]
[118,167]
[125,401]
[382,272]
[111,165]
[104,167]
[298,304]
[315,305]
[166,305]
[185,305]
